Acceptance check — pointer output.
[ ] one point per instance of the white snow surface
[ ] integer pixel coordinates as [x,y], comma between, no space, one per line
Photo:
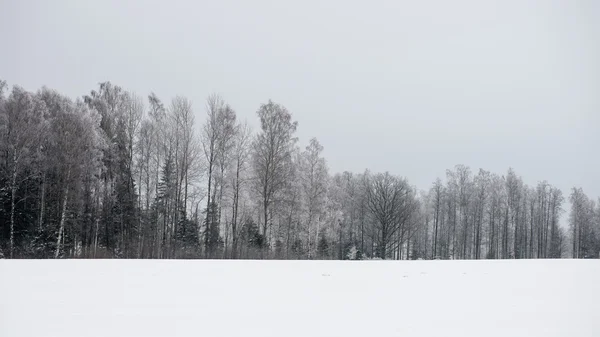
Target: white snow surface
[299,298]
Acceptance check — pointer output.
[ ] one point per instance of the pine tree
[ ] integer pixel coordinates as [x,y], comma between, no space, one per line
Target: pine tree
[323,247]
[212,239]
[163,204]
[251,236]
[187,233]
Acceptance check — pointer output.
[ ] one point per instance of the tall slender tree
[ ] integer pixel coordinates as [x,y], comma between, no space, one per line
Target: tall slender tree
[272,155]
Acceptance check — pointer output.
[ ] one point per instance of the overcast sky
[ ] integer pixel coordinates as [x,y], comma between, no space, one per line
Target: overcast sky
[410,87]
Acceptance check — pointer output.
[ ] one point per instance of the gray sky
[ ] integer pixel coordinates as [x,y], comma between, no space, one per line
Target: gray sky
[408,87]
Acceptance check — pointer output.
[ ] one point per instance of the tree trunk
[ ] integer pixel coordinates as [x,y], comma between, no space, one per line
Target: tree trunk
[341,255]
[531,223]
[437,215]
[287,241]
[381,245]
[362,234]
[13,195]
[207,229]
[454,232]
[42,203]
[62,220]
[266,220]
[234,223]
[408,246]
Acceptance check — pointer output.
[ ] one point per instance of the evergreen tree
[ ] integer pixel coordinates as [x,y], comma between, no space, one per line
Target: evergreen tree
[163,204]
[323,247]
[297,248]
[251,236]
[212,238]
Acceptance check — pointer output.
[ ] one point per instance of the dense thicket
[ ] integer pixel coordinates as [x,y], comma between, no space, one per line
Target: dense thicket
[113,175]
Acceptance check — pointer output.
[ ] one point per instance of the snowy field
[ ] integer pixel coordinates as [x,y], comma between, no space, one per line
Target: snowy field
[301,298]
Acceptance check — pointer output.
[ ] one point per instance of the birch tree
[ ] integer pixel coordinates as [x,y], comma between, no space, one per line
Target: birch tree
[241,152]
[157,153]
[437,199]
[271,158]
[482,180]
[217,137]
[78,155]
[582,223]
[225,146]
[22,130]
[185,147]
[314,187]
[211,133]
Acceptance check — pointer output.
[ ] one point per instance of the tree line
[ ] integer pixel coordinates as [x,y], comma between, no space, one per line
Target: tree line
[114,175]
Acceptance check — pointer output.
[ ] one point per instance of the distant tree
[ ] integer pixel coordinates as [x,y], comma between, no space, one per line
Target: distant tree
[186,153]
[561,240]
[391,202]
[452,209]
[164,201]
[145,187]
[354,254]
[119,199]
[313,173]
[157,153]
[437,195]
[290,206]
[514,188]
[217,139]
[323,247]
[482,180]
[298,248]
[577,220]
[22,129]
[251,236]
[225,149]
[556,234]
[212,233]
[241,151]
[271,158]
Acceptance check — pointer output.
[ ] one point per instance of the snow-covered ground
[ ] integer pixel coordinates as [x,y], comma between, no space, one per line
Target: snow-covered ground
[299,298]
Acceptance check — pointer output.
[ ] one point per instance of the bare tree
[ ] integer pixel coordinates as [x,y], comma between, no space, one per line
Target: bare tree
[391,202]
[22,126]
[182,118]
[437,190]
[272,154]
[225,145]
[134,110]
[314,186]
[217,134]
[78,153]
[211,133]
[582,225]
[158,153]
[144,153]
[241,151]
[555,248]
[482,181]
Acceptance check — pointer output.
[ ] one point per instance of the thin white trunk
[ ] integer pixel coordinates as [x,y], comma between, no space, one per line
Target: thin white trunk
[63,216]
[12,215]
[13,195]
[62,224]
[43,202]
[317,239]
[96,236]
[140,239]
[309,245]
